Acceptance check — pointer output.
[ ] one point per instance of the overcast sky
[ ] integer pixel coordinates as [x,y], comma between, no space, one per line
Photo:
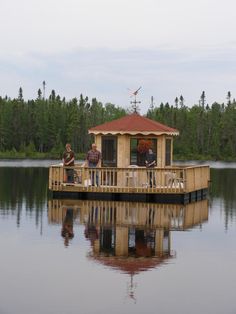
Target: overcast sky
[100,48]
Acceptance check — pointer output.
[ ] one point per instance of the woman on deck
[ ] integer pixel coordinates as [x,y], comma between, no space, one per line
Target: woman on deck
[68,161]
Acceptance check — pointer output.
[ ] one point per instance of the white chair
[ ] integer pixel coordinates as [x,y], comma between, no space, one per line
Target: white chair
[132,176]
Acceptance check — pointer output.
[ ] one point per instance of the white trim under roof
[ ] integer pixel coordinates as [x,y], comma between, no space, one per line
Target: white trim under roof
[133,133]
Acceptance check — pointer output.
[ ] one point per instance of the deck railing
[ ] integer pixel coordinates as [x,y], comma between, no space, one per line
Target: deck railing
[178,179]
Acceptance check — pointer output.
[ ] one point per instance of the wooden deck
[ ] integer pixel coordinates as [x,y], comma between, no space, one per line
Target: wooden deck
[169,181]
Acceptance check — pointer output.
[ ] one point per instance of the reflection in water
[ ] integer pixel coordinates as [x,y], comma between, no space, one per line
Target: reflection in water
[224,187]
[64,214]
[67,226]
[115,238]
[128,237]
[23,188]
[28,187]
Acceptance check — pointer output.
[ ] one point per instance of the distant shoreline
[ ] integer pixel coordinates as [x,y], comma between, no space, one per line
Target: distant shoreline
[35,156]
[81,156]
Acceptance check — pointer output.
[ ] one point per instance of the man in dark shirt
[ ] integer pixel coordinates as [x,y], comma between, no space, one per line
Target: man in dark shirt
[151,163]
[68,161]
[93,161]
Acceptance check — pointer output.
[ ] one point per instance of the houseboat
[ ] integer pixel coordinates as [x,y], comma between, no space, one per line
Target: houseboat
[123,175]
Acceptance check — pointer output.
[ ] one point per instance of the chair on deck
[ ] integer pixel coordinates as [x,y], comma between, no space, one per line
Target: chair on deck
[131,176]
[173,181]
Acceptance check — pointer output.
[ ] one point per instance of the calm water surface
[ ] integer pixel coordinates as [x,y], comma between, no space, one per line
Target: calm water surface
[64,256]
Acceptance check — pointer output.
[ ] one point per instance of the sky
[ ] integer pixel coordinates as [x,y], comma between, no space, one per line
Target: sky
[109,48]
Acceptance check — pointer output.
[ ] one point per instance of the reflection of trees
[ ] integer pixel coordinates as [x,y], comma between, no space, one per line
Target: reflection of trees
[223,186]
[23,187]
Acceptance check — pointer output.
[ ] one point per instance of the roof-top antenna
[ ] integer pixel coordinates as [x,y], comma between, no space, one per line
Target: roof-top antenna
[135,102]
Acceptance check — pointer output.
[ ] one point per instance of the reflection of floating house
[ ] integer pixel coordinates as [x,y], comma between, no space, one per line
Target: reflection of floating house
[174,217]
[123,176]
[128,236]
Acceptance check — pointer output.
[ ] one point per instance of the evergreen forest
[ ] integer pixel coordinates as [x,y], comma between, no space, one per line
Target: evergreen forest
[40,128]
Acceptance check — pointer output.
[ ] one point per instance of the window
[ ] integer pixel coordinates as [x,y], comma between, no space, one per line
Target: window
[139,148]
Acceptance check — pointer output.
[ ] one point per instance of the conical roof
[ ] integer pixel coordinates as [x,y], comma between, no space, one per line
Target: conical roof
[133,124]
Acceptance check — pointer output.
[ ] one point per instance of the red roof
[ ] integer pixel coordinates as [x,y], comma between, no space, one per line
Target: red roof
[133,123]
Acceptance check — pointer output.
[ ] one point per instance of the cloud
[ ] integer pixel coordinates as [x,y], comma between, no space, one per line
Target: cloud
[101,48]
[106,74]
[52,26]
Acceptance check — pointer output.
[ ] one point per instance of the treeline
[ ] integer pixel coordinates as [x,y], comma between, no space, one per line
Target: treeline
[207,132]
[43,126]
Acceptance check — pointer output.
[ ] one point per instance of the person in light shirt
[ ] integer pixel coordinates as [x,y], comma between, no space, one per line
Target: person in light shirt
[93,160]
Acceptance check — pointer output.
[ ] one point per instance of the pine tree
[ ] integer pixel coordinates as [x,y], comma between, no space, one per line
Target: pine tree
[176,102]
[203,99]
[20,94]
[229,98]
[181,98]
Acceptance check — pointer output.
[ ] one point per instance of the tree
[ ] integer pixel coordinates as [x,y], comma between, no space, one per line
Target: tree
[181,98]
[52,97]
[203,99]
[229,98]
[176,102]
[44,88]
[20,94]
[39,94]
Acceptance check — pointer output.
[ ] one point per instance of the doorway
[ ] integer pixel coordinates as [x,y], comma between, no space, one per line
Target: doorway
[109,151]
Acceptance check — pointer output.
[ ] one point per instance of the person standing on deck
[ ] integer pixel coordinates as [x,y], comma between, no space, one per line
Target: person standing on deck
[93,160]
[68,161]
[151,163]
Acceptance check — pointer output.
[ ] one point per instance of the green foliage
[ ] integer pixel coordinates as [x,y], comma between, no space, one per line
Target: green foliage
[40,128]
[205,132]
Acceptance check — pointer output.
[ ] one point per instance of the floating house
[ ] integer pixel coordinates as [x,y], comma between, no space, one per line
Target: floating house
[123,176]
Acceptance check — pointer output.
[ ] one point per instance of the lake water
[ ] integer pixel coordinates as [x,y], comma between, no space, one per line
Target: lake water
[64,256]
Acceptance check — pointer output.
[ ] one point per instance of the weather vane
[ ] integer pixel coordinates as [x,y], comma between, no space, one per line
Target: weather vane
[131,288]
[135,102]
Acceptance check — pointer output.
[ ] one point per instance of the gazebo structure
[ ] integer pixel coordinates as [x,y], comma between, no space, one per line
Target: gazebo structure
[124,143]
